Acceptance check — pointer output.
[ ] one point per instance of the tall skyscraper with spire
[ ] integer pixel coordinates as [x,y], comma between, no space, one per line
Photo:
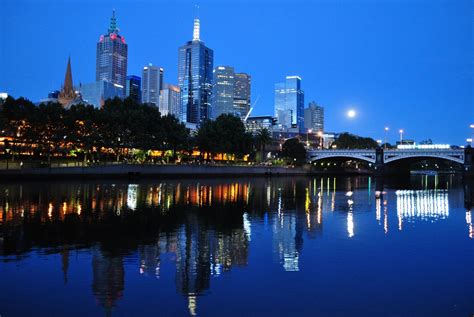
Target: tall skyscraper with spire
[112,52]
[195,65]
[67,94]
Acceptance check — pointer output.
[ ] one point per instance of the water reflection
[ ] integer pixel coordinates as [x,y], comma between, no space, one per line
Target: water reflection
[205,228]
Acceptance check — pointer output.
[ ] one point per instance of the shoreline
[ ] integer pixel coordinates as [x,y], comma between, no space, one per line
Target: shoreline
[135,171]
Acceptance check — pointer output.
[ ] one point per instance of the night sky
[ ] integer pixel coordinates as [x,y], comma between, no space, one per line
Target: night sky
[402,64]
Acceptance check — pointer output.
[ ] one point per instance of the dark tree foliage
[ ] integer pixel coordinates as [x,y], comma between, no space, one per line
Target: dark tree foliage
[350,141]
[261,139]
[121,124]
[224,135]
[294,151]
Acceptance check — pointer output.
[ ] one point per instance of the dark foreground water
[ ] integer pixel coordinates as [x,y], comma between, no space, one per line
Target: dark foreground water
[237,247]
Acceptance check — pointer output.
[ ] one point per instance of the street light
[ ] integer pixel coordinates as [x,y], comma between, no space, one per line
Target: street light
[386,131]
[401,136]
[307,134]
[320,135]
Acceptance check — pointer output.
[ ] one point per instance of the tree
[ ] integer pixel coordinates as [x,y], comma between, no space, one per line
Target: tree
[262,138]
[294,151]
[350,141]
[224,135]
[176,134]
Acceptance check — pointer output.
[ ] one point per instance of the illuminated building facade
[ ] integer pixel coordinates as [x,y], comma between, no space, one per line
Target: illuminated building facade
[133,88]
[242,92]
[289,104]
[257,123]
[97,92]
[314,117]
[170,100]
[223,91]
[112,52]
[152,83]
[195,64]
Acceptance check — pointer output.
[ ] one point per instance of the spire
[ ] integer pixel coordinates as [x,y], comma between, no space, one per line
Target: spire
[67,94]
[113,23]
[197,24]
[68,78]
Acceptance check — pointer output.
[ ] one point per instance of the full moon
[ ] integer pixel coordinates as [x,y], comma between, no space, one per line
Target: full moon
[351,113]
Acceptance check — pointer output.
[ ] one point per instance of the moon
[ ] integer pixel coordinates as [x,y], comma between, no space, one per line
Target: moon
[351,113]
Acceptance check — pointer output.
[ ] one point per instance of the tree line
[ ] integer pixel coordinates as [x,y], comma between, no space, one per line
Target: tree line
[115,129]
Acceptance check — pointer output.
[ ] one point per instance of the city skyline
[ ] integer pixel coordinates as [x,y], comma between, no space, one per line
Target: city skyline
[386,97]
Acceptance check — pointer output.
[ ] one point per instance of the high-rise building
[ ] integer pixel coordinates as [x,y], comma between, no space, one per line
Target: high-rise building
[97,92]
[195,63]
[242,94]
[170,101]
[67,94]
[223,91]
[230,92]
[152,83]
[112,51]
[289,104]
[314,117]
[133,88]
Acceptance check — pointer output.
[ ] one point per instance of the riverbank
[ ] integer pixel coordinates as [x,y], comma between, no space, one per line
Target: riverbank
[138,170]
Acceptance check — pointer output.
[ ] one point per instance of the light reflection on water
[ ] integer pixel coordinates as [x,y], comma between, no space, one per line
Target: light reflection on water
[200,230]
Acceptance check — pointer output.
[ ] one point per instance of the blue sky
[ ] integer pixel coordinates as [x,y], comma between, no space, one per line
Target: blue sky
[402,64]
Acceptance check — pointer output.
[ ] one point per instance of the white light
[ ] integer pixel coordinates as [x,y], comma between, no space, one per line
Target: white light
[351,113]
[423,146]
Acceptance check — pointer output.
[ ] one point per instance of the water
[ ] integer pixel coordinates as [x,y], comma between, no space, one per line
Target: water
[235,247]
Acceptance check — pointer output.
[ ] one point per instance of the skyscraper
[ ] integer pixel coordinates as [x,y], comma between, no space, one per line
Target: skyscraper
[111,61]
[97,92]
[289,104]
[133,88]
[170,101]
[230,92]
[195,63]
[223,91]
[242,99]
[314,117]
[152,83]
[67,94]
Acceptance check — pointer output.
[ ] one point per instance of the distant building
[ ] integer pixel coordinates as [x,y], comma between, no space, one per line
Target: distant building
[97,92]
[133,88]
[152,83]
[195,64]
[54,94]
[242,93]
[314,117]
[170,101]
[223,91]
[67,95]
[289,104]
[256,123]
[112,54]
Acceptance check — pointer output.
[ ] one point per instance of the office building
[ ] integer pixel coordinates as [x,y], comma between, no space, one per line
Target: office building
[170,101]
[314,118]
[152,83]
[242,99]
[289,104]
[97,92]
[223,91]
[195,65]
[133,88]
[257,123]
[111,61]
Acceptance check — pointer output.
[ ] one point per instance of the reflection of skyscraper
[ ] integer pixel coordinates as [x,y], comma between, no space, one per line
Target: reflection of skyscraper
[107,278]
[195,63]
[112,54]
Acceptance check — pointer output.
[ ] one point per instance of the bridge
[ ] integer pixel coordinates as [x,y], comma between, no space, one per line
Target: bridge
[382,159]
